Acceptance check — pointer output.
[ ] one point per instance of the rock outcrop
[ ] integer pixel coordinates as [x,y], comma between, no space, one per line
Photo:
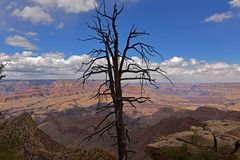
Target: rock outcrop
[21,139]
[141,137]
[217,140]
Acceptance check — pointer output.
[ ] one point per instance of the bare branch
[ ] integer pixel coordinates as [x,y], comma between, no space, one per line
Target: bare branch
[102,130]
[106,107]
[104,119]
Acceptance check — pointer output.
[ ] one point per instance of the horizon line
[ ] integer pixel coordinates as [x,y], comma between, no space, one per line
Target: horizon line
[126,82]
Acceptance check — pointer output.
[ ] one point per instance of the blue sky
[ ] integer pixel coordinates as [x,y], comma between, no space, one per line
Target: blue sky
[207,31]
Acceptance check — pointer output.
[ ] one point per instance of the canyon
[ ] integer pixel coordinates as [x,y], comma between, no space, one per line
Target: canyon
[65,111]
[54,96]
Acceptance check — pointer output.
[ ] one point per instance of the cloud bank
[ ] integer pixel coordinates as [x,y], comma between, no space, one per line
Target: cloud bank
[54,65]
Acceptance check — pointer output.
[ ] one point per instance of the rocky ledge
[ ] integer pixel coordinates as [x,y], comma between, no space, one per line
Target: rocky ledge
[217,140]
[20,139]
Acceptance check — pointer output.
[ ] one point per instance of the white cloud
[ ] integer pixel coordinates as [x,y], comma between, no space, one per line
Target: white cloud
[69,6]
[219,17]
[28,65]
[31,34]
[53,55]
[234,3]
[34,14]
[201,71]
[193,61]
[49,65]
[175,62]
[15,30]
[19,41]
[60,26]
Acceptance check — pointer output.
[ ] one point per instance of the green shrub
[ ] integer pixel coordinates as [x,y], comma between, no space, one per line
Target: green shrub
[10,150]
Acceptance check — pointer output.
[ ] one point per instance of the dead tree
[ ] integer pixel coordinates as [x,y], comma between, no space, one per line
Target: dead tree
[118,67]
[1,70]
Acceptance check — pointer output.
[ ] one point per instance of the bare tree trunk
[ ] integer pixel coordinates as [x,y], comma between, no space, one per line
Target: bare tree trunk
[118,104]
[118,101]
[121,138]
[1,70]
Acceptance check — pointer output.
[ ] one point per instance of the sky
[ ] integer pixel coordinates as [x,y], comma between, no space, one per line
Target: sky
[199,40]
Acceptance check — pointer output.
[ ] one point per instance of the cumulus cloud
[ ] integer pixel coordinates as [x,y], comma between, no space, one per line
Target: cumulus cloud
[235,3]
[219,17]
[53,55]
[201,71]
[19,41]
[34,14]
[175,62]
[48,65]
[69,6]
[54,65]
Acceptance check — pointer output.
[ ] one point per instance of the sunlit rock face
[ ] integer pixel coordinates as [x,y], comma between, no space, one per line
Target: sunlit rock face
[43,97]
[219,139]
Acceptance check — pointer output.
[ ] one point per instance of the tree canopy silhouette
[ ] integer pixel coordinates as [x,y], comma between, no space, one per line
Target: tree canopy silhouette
[119,67]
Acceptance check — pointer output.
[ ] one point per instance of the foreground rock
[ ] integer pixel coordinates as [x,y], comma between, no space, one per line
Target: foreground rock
[141,137]
[217,140]
[21,139]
